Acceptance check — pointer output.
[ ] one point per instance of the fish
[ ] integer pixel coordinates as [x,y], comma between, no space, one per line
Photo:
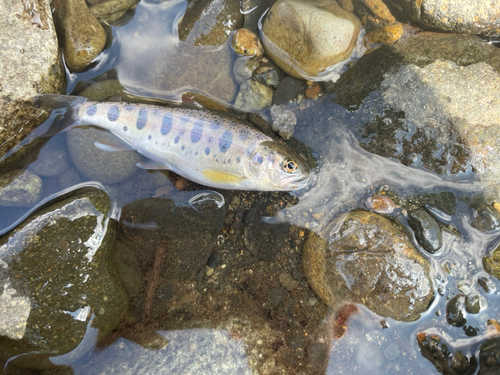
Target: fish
[199,145]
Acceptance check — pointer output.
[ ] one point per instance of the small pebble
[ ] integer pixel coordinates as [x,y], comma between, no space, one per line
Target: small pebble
[313,92]
[380,204]
[245,42]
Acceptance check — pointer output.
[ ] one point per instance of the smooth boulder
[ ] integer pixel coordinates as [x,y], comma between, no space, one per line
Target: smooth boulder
[365,258]
[307,38]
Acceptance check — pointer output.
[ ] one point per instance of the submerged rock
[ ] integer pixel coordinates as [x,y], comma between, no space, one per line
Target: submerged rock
[111,10]
[491,263]
[486,219]
[94,164]
[50,162]
[489,357]
[210,22]
[20,188]
[164,244]
[253,96]
[57,260]
[244,42]
[444,357]
[30,65]
[427,231]
[466,16]
[363,257]
[83,36]
[307,38]
[442,116]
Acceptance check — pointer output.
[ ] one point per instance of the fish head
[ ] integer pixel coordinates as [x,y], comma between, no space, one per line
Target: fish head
[274,167]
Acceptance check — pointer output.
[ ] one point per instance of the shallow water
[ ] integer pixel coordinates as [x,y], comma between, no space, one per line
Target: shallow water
[235,340]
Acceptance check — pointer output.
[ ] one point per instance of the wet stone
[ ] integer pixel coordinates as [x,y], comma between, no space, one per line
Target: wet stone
[368,260]
[69,178]
[455,311]
[286,91]
[83,36]
[443,356]
[243,69]
[468,17]
[111,10]
[20,189]
[58,260]
[94,164]
[253,96]
[486,219]
[491,263]
[30,65]
[427,231]
[472,304]
[245,42]
[307,38]
[284,121]
[50,163]
[489,357]
[380,204]
[210,22]
[266,75]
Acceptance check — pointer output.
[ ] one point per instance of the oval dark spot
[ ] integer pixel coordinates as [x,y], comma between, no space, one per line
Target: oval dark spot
[149,136]
[92,110]
[183,147]
[124,128]
[176,140]
[207,151]
[249,150]
[166,125]
[197,131]
[244,134]
[196,153]
[260,160]
[225,141]
[228,161]
[113,113]
[142,119]
[238,159]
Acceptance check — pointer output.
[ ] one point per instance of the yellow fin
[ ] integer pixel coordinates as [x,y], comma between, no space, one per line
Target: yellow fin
[221,177]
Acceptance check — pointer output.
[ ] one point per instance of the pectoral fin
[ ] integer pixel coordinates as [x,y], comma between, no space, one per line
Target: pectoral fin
[222,177]
[109,147]
[150,164]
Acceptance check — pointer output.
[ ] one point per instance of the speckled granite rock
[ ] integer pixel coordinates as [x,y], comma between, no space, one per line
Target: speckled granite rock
[30,63]
[465,16]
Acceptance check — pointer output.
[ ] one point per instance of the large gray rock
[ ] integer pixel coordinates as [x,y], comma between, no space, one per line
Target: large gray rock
[363,257]
[465,16]
[451,115]
[54,275]
[30,63]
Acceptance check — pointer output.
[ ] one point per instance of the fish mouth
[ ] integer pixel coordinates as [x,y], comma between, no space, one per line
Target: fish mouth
[296,182]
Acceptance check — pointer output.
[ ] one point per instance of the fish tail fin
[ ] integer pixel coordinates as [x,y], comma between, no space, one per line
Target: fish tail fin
[63,110]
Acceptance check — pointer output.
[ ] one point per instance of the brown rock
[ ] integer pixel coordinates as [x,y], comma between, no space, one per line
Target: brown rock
[368,260]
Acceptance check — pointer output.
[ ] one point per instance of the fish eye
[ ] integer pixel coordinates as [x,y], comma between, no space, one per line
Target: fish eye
[289,165]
